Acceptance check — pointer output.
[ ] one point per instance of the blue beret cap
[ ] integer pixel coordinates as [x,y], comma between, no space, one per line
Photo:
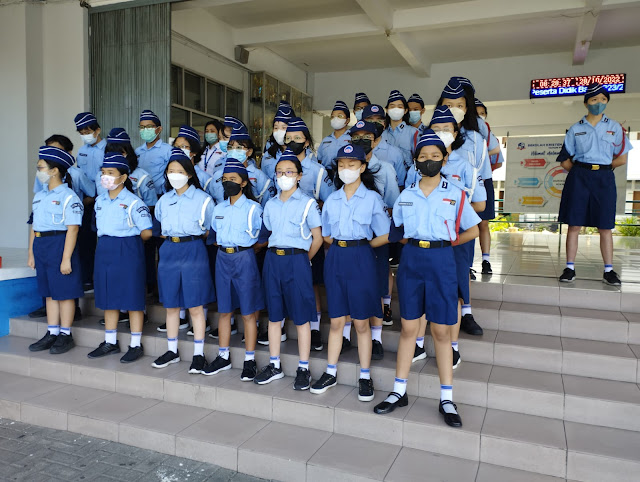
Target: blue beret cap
[453,90]
[239,133]
[230,121]
[288,155]
[84,119]
[341,106]
[234,165]
[594,89]
[285,112]
[428,138]
[442,115]
[150,116]
[479,103]
[118,135]
[416,98]
[395,95]
[296,124]
[464,82]
[189,132]
[371,110]
[361,97]
[177,155]
[115,160]
[363,126]
[57,156]
[351,152]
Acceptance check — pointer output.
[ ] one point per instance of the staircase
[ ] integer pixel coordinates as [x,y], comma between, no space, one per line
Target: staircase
[549,392]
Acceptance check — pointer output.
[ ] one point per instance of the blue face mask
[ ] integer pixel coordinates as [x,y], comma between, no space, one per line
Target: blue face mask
[239,154]
[414,116]
[359,114]
[223,145]
[596,109]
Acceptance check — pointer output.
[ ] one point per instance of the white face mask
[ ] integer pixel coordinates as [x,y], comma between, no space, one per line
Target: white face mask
[88,138]
[396,113]
[279,136]
[446,137]
[186,151]
[349,176]
[177,180]
[286,183]
[337,123]
[483,117]
[109,182]
[457,113]
[43,176]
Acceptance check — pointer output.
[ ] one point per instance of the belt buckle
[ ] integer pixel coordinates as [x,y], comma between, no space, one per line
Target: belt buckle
[229,250]
[175,239]
[280,252]
[424,244]
[38,235]
[342,244]
[595,167]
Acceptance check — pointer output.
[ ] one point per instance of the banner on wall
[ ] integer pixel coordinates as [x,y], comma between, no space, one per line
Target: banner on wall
[534,180]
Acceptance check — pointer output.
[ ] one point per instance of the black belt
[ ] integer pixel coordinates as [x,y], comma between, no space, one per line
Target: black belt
[182,239]
[429,244]
[44,234]
[350,243]
[594,167]
[287,251]
[235,249]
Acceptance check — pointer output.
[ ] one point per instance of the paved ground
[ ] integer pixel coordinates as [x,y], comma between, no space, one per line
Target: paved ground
[33,454]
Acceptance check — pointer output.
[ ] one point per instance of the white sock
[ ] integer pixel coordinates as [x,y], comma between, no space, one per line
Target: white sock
[136,339]
[183,314]
[420,343]
[54,329]
[571,265]
[223,352]
[249,355]
[454,345]
[332,370]
[172,344]
[198,347]
[608,267]
[446,393]
[275,360]
[365,374]
[315,324]
[65,331]
[206,312]
[346,331]
[400,387]
[485,256]
[233,320]
[465,310]
[386,299]
[282,323]
[303,364]
[111,336]
[319,316]
[376,333]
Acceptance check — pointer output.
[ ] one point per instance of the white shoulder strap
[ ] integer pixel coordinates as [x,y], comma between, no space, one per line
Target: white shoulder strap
[264,189]
[130,219]
[202,213]
[64,208]
[475,178]
[316,193]
[140,181]
[250,222]
[206,184]
[304,219]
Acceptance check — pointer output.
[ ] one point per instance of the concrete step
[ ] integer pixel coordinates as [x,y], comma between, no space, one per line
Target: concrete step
[492,445]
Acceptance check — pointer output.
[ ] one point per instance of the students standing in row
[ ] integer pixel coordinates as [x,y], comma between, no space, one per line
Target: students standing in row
[398,132]
[275,143]
[416,111]
[331,144]
[214,140]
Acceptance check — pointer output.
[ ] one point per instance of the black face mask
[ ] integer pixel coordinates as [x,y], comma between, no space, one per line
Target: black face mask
[429,168]
[379,129]
[296,147]
[365,144]
[231,188]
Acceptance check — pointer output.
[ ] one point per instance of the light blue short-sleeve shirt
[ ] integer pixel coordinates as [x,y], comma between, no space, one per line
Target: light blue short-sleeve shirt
[183,215]
[56,209]
[237,224]
[291,222]
[125,215]
[596,145]
[154,160]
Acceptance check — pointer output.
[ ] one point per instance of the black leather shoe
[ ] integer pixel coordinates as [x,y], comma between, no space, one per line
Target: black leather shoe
[472,274]
[104,349]
[456,358]
[43,343]
[468,325]
[486,267]
[39,313]
[63,344]
[377,352]
[388,407]
[346,345]
[451,419]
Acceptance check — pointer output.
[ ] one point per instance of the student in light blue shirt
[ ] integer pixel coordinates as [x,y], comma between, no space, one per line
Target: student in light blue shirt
[275,143]
[188,140]
[398,131]
[359,103]
[214,135]
[340,137]
[154,154]
[91,153]
[416,111]
[381,148]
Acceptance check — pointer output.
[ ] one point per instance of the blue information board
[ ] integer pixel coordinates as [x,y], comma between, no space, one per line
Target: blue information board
[576,85]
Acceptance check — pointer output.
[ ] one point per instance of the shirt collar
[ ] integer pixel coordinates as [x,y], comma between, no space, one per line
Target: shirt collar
[585,121]
[189,193]
[399,126]
[297,194]
[360,192]
[157,144]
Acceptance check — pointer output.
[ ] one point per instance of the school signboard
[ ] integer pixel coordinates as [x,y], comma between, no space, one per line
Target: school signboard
[534,180]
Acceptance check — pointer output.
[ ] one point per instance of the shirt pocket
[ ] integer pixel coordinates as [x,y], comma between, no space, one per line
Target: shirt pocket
[409,220]
[446,217]
[608,143]
[362,216]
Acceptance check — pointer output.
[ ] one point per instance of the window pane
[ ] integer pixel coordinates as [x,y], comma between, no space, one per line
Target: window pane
[198,121]
[178,117]
[193,87]
[234,103]
[215,94]
[176,85]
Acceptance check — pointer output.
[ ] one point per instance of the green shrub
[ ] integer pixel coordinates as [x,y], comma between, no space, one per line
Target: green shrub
[625,228]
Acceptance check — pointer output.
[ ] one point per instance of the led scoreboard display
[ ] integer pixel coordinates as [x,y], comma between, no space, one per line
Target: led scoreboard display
[576,85]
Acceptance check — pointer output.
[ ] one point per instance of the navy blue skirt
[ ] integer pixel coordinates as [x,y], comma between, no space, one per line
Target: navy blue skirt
[427,284]
[51,283]
[119,276]
[382,269]
[589,199]
[238,282]
[351,282]
[462,254]
[490,209]
[184,280]
[288,288]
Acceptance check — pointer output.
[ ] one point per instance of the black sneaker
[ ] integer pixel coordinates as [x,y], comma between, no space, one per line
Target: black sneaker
[198,364]
[486,267]
[39,313]
[190,332]
[268,374]
[394,262]
[145,319]
[346,345]
[611,278]
[43,343]
[87,287]
[234,331]
[77,315]
[469,325]
[303,379]
[472,274]
[63,344]
[326,382]
[263,338]
[365,390]
[377,352]
[387,319]
[316,340]
[568,275]
[216,366]
[419,354]
[133,353]
[167,359]
[104,349]
[184,324]
[249,371]
[124,318]
[456,359]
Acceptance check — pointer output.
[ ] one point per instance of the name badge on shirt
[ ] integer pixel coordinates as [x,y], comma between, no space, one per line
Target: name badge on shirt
[57,203]
[580,134]
[219,217]
[449,201]
[405,204]
[611,132]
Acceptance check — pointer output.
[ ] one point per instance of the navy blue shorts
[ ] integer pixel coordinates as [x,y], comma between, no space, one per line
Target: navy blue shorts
[184,280]
[490,209]
[52,284]
[119,277]
[382,269]
[288,288]
[238,282]
[351,282]
[589,199]
[212,252]
[317,267]
[427,284]
[461,253]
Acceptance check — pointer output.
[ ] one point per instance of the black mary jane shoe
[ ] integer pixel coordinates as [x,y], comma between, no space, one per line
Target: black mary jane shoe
[388,407]
[451,419]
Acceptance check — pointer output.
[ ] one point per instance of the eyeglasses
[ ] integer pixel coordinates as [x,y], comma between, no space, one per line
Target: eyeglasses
[147,127]
[286,173]
[366,137]
[294,139]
